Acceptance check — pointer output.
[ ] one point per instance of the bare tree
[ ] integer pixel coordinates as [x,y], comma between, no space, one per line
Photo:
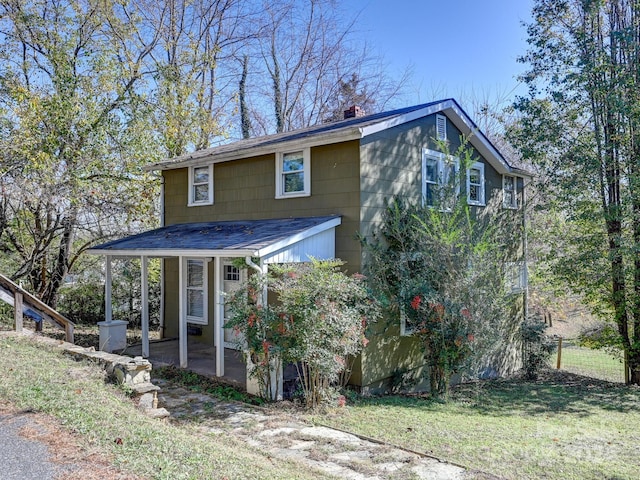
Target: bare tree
[310,56]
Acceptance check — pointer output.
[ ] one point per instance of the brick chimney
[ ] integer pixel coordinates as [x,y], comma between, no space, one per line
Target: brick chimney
[354,112]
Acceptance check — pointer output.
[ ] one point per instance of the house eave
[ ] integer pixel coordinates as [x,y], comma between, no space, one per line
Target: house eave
[460,119]
[306,138]
[264,248]
[203,157]
[168,253]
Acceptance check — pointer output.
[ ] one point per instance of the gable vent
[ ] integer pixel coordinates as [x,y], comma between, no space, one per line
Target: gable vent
[441,127]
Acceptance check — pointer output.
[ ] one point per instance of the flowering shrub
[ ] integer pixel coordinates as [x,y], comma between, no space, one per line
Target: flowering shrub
[440,270]
[253,321]
[317,324]
[446,333]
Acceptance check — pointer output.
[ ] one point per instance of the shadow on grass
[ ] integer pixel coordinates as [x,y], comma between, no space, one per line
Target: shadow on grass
[553,392]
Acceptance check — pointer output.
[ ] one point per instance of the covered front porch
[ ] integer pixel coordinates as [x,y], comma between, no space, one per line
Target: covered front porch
[202,358]
[200,264]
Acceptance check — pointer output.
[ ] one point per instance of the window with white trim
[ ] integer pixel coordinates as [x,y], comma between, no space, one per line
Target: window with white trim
[475,184]
[509,192]
[440,182]
[293,174]
[196,294]
[441,127]
[231,273]
[201,185]
[515,276]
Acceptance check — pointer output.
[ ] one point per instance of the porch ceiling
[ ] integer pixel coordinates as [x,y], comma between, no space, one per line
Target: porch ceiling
[254,238]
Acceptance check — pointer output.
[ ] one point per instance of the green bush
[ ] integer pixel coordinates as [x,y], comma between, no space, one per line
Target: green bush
[82,302]
[318,322]
[537,347]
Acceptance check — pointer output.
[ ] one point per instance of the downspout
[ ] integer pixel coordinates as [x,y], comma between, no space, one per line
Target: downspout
[274,379]
[262,269]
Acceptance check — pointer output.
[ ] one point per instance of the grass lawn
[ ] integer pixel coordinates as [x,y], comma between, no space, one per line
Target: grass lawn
[36,378]
[589,362]
[561,427]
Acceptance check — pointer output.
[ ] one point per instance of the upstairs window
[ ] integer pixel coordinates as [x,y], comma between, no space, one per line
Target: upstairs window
[293,174]
[440,178]
[475,184]
[201,185]
[509,194]
[441,127]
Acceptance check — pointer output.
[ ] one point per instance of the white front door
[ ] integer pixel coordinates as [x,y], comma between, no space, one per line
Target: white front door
[232,279]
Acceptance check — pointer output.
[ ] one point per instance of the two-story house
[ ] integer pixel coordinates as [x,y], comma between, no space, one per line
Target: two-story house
[289,196]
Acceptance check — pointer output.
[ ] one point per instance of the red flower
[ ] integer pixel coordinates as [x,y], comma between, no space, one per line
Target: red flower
[438,308]
[265,347]
[471,337]
[415,303]
[253,296]
[465,312]
[252,319]
[281,328]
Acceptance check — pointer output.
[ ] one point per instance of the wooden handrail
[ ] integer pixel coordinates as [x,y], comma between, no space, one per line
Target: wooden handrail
[62,321]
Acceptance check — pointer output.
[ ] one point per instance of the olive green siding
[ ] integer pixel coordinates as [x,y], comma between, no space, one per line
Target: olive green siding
[171,275]
[391,164]
[354,179]
[245,190]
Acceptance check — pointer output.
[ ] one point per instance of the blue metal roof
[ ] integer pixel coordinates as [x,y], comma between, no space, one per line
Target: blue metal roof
[229,236]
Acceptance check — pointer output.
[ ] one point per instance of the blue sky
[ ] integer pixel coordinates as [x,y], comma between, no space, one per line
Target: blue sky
[457,48]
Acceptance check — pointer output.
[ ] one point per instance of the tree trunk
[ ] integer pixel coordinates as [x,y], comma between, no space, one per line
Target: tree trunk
[245,122]
[633,360]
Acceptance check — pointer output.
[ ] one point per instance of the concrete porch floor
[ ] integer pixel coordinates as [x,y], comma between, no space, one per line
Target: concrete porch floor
[201,359]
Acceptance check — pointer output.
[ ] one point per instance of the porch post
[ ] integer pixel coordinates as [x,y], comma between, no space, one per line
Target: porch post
[218,316]
[108,315]
[144,287]
[182,313]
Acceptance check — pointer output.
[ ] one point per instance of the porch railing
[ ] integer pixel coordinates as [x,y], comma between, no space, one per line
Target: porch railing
[25,303]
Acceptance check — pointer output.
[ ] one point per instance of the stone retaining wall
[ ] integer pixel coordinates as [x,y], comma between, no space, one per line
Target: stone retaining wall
[134,373]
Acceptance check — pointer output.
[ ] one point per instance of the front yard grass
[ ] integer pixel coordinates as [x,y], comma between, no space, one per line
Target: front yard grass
[561,427]
[35,378]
